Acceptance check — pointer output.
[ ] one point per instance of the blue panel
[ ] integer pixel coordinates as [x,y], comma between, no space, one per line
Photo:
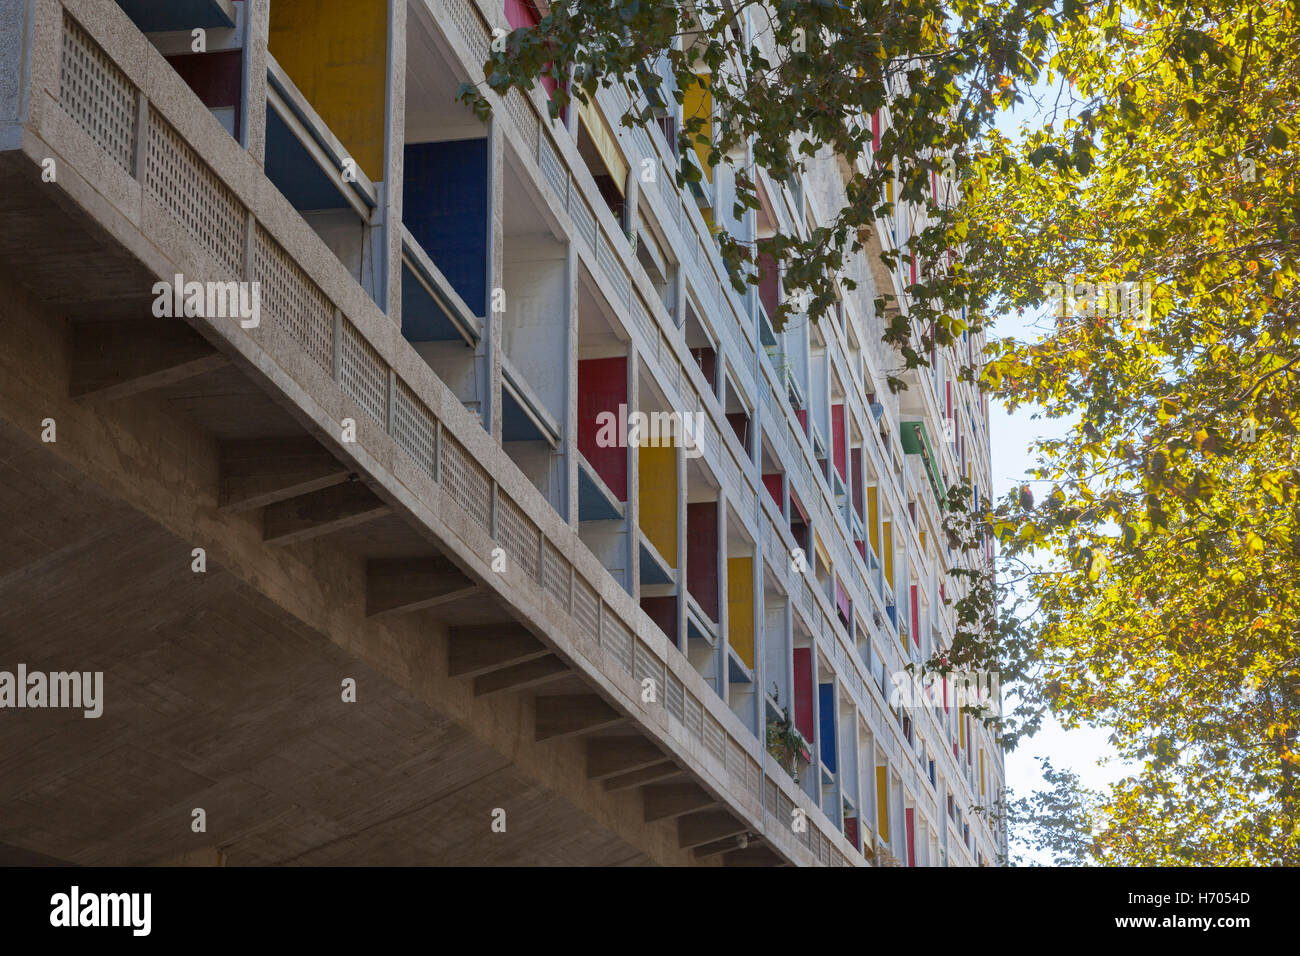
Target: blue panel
[515,423]
[736,673]
[652,572]
[826,698]
[593,503]
[444,205]
[295,173]
[423,319]
[150,16]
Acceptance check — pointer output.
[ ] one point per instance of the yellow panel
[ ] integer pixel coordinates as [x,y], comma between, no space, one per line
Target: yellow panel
[658,499]
[873,519]
[337,55]
[740,607]
[889,553]
[698,101]
[823,559]
[606,144]
[882,802]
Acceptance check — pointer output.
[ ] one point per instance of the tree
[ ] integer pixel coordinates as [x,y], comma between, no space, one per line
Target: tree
[1166,605]
[810,82]
[1059,821]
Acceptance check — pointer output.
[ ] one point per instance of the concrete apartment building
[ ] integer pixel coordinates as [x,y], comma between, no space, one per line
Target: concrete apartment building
[364,577]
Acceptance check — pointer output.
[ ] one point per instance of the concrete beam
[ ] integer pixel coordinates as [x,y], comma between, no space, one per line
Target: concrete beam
[483,648]
[707,826]
[258,473]
[321,512]
[112,360]
[403,585]
[571,715]
[725,845]
[521,676]
[667,770]
[610,756]
[667,801]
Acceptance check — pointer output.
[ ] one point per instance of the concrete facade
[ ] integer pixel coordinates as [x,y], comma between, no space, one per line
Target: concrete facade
[356,591]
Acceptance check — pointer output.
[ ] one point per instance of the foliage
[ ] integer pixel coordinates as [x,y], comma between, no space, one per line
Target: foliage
[784,742]
[1157,563]
[1059,821]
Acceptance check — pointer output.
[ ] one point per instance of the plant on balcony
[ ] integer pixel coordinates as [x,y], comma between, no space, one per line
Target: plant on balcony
[784,742]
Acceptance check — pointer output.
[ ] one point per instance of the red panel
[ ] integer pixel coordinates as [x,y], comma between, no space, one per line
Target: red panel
[798,507]
[842,600]
[862,549]
[216,78]
[663,611]
[602,387]
[911,836]
[702,555]
[521,14]
[859,480]
[768,283]
[875,130]
[739,423]
[838,441]
[707,360]
[851,830]
[803,701]
[802,415]
[916,618]
[774,483]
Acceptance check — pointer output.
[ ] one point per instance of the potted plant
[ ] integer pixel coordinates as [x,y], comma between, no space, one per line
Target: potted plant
[784,742]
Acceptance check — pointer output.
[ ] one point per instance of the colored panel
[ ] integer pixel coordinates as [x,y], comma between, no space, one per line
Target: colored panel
[803,705]
[606,144]
[740,608]
[851,830]
[658,499]
[773,484]
[663,611]
[602,387]
[859,481]
[882,802]
[873,518]
[839,446]
[337,55]
[215,78]
[697,101]
[889,553]
[911,836]
[842,600]
[769,290]
[916,618]
[826,697]
[702,555]
[444,205]
[739,423]
[981,771]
